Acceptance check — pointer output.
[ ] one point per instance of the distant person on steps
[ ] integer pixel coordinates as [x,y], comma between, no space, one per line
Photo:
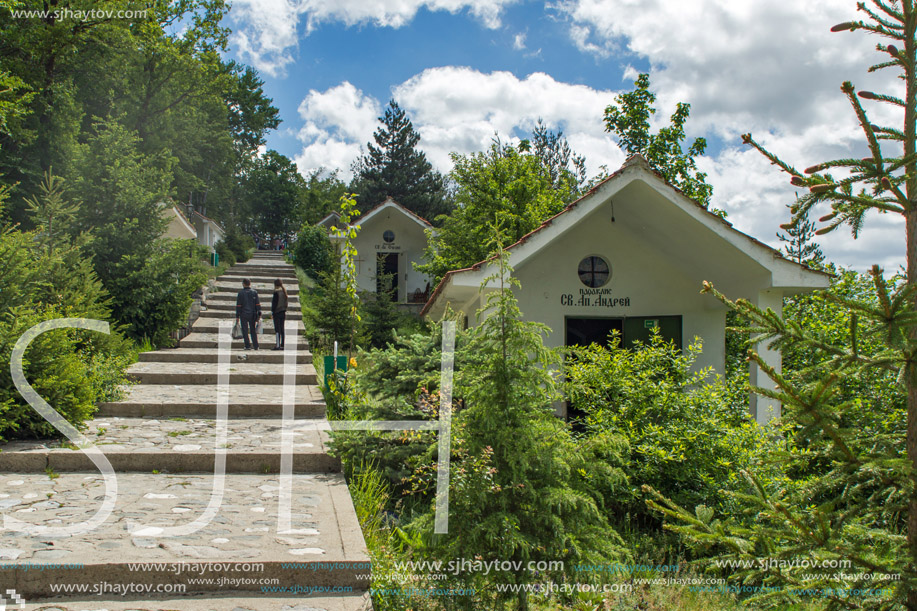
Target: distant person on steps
[248,311]
[279,312]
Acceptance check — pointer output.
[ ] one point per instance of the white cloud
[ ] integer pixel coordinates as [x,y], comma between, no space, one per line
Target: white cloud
[773,69]
[336,123]
[519,41]
[267,31]
[459,110]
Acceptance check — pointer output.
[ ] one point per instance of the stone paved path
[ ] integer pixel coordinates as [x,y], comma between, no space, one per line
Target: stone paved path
[239,550]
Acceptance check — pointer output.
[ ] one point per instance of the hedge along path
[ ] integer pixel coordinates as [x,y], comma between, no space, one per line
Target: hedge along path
[244,535]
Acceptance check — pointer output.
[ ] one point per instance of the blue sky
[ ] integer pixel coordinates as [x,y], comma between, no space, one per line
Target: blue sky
[467,69]
[434,39]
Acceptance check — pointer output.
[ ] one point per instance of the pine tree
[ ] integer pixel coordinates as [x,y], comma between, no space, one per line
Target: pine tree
[523,489]
[566,168]
[850,487]
[52,213]
[395,168]
[799,245]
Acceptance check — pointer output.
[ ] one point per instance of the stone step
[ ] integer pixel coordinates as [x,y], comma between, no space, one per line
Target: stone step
[230,297]
[267,276]
[242,541]
[227,311]
[209,340]
[287,272]
[211,602]
[178,445]
[240,372]
[229,305]
[212,325]
[203,355]
[245,400]
[262,288]
[265,262]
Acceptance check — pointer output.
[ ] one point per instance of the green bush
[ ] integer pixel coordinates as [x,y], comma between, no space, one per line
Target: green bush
[312,251]
[241,245]
[54,369]
[689,436]
[226,254]
[397,382]
[71,369]
[154,293]
[328,315]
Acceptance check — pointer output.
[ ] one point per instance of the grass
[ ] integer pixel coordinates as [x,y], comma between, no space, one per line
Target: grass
[177,433]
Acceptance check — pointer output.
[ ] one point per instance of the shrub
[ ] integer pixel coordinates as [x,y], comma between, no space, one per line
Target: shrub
[226,253]
[688,438]
[53,369]
[154,294]
[240,244]
[380,318]
[312,251]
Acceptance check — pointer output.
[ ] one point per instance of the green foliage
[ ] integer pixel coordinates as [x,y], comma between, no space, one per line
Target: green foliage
[328,314]
[150,280]
[226,254]
[344,236]
[523,488]
[275,187]
[52,213]
[53,368]
[322,194]
[312,250]
[503,187]
[845,482]
[154,295]
[799,244]
[629,120]
[71,369]
[240,244]
[688,437]
[850,459]
[566,168]
[397,382]
[393,167]
[120,203]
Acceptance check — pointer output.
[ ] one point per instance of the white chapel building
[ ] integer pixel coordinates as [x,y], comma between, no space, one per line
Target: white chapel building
[391,239]
[632,255]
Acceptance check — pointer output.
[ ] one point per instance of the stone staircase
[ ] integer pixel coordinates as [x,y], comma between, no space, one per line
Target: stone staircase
[164,441]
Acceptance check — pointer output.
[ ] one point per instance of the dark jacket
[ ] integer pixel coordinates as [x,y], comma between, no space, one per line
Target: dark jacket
[279,302]
[247,304]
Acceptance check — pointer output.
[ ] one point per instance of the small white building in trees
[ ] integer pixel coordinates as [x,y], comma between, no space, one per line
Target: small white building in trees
[209,232]
[179,227]
[390,240]
[632,255]
[330,222]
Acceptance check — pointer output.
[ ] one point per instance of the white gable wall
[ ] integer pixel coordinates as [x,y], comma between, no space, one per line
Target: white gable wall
[644,283]
[409,244]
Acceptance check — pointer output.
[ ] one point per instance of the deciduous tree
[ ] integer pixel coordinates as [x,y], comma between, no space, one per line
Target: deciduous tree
[629,119]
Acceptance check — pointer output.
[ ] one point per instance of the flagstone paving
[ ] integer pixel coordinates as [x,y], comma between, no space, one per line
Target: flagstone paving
[259,552]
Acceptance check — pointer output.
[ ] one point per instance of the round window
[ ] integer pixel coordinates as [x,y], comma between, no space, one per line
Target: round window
[594,271]
[389,236]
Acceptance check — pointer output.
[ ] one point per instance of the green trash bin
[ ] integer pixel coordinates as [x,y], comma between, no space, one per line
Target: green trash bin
[330,368]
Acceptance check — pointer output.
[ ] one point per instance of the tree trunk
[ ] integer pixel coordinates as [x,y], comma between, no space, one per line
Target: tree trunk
[912,415]
[910,144]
